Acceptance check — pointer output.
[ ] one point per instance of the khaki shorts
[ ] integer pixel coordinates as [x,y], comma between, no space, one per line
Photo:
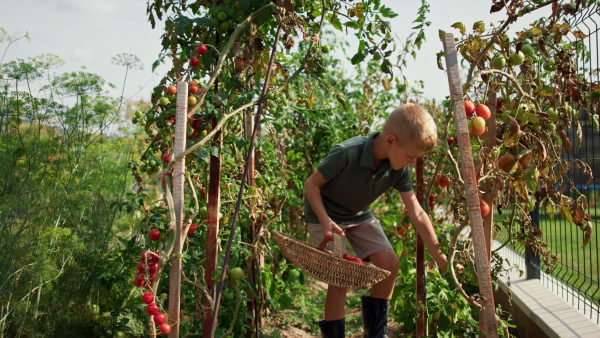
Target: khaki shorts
[366,238]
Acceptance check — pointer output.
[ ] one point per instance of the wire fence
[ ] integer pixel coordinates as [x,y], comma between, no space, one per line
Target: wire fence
[576,276]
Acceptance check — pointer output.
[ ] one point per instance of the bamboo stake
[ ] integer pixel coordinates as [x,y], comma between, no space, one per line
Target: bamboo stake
[489,187]
[178,179]
[488,311]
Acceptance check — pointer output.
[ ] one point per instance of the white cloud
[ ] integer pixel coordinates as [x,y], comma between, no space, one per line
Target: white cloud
[83,54]
[90,6]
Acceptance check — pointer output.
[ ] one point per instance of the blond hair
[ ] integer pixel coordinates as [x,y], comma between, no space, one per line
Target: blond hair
[411,123]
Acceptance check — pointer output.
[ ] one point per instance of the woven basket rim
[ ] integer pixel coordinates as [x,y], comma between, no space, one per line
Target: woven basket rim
[339,272]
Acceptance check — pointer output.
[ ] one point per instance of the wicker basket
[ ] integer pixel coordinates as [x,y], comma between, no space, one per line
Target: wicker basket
[327,266]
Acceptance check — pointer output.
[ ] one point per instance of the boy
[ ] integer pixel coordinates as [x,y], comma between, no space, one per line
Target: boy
[353,175]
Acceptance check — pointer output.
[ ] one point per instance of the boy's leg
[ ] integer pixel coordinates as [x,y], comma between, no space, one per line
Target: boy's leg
[387,260]
[375,307]
[335,303]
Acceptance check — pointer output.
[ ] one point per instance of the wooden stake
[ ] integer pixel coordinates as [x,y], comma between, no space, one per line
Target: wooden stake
[488,311]
[212,231]
[178,179]
[420,292]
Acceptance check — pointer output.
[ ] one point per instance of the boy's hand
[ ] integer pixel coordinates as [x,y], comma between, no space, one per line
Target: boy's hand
[331,227]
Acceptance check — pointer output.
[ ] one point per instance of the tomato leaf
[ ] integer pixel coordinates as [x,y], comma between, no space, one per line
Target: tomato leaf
[387,12]
[386,67]
[460,26]
[439,60]
[352,24]
[335,22]
[357,58]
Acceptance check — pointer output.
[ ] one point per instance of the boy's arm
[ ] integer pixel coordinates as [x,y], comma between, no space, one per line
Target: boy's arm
[424,227]
[312,186]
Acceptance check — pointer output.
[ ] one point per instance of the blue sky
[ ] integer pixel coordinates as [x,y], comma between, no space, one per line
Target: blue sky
[90,32]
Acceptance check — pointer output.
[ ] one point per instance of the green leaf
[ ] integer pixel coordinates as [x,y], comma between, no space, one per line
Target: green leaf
[460,26]
[351,24]
[285,301]
[441,33]
[335,22]
[439,60]
[386,67]
[203,155]
[357,58]
[387,12]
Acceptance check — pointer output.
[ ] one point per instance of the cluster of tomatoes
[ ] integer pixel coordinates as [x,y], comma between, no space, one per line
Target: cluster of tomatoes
[152,310]
[147,267]
[442,181]
[352,259]
[477,114]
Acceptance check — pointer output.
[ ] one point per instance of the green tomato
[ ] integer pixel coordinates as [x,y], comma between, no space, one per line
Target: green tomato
[222,16]
[164,101]
[138,114]
[552,114]
[498,62]
[527,50]
[325,49]
[204,212]
[517,58]
[236,274]
[549,66]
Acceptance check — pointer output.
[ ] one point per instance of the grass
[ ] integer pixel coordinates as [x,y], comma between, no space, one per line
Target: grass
[577,266]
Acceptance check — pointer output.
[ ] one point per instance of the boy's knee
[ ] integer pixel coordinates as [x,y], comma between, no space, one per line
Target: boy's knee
[387,260]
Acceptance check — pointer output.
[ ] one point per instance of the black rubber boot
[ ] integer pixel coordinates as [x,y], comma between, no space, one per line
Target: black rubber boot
[333,328]
[375,313]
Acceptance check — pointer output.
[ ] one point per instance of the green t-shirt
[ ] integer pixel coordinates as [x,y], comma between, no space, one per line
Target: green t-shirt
[353,181]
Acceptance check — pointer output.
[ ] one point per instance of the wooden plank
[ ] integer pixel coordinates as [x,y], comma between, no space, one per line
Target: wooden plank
[488,311]
[178,179]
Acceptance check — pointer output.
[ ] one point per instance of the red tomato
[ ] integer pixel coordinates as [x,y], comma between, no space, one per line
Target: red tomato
[166,158]
[152,309]
[478,131]
[165,328]
[451,140]
[483,111]
[152,267]
[202,49]
[141,266]
[139,282]
[193,89]
[445,182]
[148,297]
[469,107]
[154,234]
[160,318]
[192,229]
[171,90]
[400,231]
[194,61]
[485,208]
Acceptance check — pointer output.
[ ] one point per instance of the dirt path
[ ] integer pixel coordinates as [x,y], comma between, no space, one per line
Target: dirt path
[277,327]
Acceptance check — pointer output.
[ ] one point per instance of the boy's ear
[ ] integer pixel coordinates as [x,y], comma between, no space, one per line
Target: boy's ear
[390,139]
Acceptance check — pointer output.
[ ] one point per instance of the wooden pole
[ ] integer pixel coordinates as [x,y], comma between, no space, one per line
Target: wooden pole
[178,179]
[421,292]
[489,187]
[488,311]
[214,204]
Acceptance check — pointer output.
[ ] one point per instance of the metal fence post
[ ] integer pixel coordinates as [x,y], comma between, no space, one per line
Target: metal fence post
[532,261]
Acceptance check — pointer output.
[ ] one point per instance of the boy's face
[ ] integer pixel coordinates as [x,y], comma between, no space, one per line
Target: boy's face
[403,155]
